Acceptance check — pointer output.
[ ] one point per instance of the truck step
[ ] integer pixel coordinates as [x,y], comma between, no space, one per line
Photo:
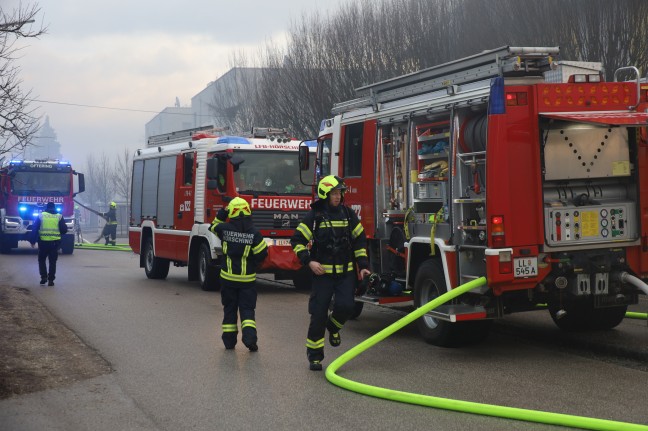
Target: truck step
[458,312]
[385,300]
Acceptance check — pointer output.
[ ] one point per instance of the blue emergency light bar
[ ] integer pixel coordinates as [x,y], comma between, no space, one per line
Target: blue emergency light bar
[23,208]
[233,140]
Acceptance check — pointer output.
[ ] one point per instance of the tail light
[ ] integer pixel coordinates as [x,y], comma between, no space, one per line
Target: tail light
[505,262]
[516,99]
[497,231]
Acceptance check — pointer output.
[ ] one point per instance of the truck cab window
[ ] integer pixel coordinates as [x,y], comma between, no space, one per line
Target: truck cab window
[324,158]
[188,162]
[222,175]
[353,150]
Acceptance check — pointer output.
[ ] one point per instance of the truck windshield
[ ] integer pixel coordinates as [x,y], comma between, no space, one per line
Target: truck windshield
[272,173]
[41,183]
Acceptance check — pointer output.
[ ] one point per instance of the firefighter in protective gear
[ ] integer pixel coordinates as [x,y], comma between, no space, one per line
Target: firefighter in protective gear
[47,230]
[244,249]
[338,245]
[109,231]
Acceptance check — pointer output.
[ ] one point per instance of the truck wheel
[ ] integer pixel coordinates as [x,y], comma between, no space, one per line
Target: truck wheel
[67,244]
[154,267]
[430,284]
[582,316]
[608,318]
[571,316]
[303,278]
[208,270]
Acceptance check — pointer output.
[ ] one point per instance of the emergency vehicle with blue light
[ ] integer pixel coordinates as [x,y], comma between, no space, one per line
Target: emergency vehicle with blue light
[26,186]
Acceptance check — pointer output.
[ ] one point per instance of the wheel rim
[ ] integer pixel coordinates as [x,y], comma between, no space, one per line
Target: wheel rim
[428,293]
[202,267]
[149,259]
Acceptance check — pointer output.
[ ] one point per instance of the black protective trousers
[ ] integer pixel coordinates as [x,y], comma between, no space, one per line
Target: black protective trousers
[110,233]
[324,287]
[238,299]
[48,250]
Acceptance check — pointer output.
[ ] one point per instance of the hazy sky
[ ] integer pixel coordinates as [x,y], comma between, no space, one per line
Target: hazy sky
[139,55]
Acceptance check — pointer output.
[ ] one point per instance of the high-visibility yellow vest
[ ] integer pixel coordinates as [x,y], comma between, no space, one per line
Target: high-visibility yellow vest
[49,227]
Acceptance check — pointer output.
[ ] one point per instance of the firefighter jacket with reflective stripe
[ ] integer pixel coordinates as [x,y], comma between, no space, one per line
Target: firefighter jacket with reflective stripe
[110,216]
[338,239]
[243,246]
[49,226]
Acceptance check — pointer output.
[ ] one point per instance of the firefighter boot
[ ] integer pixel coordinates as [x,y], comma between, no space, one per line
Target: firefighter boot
[249,334]
[334,339]
[229,339]
[334,327]
[315,366]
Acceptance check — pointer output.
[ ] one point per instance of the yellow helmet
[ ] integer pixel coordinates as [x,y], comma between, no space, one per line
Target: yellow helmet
[113,205]
[238,207]
[328,183]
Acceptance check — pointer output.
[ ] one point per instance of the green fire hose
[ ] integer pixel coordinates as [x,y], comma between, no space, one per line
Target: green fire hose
[458,405]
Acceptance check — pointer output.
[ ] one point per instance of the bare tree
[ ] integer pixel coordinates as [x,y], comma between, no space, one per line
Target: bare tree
[100,180]
[18,120]
[123,174]
[364,42]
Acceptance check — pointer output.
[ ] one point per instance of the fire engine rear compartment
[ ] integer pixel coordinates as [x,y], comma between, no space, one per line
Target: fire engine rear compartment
[586,214]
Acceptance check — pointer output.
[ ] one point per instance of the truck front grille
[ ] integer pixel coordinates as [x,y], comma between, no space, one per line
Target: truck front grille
[277,219]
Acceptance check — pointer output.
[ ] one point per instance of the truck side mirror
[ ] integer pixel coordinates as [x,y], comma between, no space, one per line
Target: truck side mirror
[212,170]
[303,157]
[212,184]
[236,162]
[81,182]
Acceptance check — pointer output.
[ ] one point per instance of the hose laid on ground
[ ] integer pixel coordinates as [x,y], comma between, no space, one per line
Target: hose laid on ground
[118,247]
[458,405]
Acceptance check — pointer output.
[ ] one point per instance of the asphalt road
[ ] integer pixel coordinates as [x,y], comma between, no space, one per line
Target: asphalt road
[171,371]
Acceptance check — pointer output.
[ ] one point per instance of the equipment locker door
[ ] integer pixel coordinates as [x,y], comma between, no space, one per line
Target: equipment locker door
[357,168]
[184,199]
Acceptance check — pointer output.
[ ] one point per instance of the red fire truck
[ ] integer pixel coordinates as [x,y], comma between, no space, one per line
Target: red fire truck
[179,187]
[508,164]
[26,186]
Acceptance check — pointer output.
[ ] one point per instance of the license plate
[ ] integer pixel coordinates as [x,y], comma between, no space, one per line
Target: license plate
[278,241]
[525,267]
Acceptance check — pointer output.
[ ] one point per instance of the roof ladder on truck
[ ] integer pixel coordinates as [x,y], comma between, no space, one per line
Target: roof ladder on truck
[450,77]
[180,136]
